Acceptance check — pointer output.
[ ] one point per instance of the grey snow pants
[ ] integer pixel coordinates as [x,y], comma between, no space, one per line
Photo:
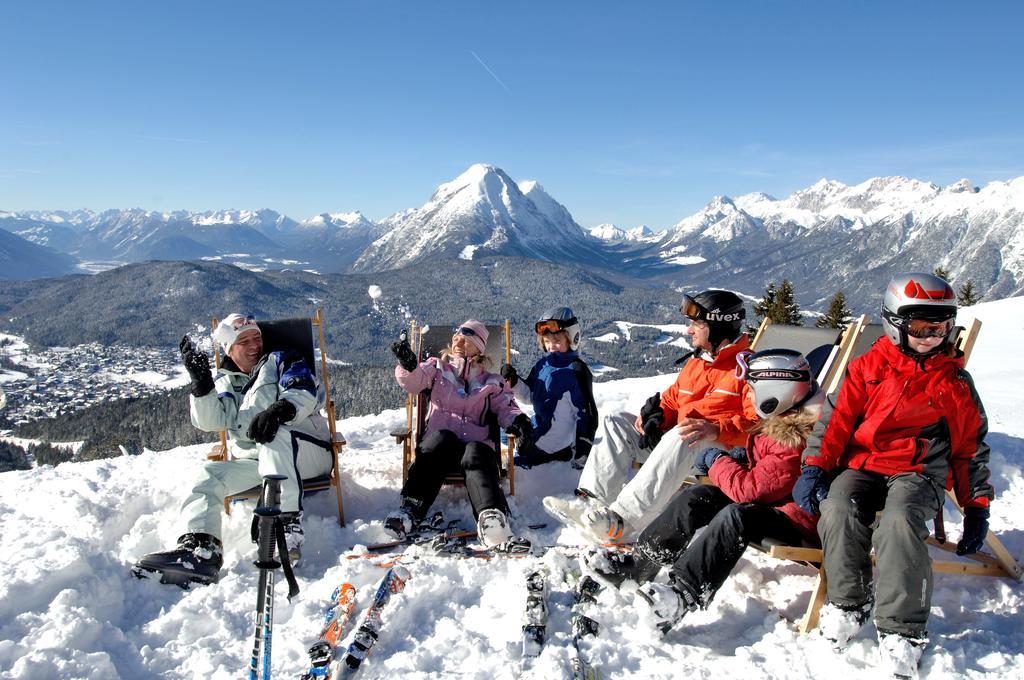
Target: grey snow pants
[847,528]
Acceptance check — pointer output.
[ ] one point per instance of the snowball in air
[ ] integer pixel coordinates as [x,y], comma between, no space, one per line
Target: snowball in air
[374,292]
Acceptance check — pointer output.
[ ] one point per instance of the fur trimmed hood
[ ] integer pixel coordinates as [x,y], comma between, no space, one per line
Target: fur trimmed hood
[793,427]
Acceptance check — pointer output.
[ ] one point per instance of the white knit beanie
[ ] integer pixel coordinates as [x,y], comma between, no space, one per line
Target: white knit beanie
[233,325]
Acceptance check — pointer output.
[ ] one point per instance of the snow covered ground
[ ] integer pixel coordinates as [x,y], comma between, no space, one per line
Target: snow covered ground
[70,609]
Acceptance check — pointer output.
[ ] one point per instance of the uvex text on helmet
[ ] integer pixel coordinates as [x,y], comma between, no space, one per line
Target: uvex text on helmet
[915,295]
[559,319]
[721,309]
[780,379]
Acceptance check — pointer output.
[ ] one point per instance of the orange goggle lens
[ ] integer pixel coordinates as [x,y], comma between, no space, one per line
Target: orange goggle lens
[549,326]
[920,328]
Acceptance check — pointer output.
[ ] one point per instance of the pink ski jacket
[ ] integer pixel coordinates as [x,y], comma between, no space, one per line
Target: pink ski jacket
[464,397]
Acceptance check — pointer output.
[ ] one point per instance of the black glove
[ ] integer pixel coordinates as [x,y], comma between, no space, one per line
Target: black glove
[652,416]
[198,367]
[522,429]
[263,427]
[703,462]
[508,372]
[652,434]
[652,408]
[403,352]
[811,488]
[975,530]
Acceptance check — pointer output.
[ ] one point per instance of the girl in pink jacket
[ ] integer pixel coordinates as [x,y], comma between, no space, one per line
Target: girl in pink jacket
[468,404]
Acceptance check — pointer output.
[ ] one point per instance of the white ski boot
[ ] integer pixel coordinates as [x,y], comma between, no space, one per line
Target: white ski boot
[838,625]
[900,654]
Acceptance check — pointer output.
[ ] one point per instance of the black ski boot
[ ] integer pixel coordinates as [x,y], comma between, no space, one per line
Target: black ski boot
[197,559]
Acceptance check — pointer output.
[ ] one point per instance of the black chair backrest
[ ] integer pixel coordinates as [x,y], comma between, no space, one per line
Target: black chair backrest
[438,336]
[295,335]
[816,344]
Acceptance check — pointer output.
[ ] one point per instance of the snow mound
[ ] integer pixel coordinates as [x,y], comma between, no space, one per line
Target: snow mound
[70,609]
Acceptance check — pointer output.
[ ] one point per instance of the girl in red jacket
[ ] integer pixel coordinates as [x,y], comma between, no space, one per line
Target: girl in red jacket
[907,425]
[750,500]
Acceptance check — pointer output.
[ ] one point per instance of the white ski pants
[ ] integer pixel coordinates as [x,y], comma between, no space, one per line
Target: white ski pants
[292,454]
[616,447]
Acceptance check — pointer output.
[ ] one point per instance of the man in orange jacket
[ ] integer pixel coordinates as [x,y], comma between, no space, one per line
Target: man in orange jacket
[705,407]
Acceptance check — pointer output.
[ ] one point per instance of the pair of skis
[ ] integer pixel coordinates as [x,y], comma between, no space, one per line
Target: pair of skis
[322,654]
[535,619]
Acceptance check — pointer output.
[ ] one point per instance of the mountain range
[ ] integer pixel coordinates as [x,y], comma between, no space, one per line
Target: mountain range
[826,238]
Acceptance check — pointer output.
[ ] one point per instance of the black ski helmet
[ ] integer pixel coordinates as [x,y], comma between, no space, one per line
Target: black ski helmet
[721,309]
[559,319]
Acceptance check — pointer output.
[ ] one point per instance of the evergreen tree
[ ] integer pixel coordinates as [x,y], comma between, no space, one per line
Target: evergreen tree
[786,310]
[838,314]
[941,273]
[779,305]
[763,308]
[967,295]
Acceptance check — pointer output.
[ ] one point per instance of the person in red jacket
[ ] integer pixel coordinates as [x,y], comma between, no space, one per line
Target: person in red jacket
[907,424]
[704,407]
[749,502]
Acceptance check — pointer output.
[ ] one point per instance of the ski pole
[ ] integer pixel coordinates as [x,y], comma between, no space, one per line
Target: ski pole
[266,515]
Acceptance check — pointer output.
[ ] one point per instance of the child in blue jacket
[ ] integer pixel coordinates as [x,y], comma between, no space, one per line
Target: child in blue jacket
[560,387]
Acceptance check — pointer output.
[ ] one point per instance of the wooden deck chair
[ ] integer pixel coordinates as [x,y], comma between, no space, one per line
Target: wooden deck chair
[297,335]
[997,563]
[428,341]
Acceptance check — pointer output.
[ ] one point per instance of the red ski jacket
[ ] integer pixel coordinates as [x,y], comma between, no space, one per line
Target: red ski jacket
[769,477]
[711,390]
[897,414]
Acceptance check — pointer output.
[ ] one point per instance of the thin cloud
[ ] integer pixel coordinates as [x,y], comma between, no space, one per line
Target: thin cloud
[488,69]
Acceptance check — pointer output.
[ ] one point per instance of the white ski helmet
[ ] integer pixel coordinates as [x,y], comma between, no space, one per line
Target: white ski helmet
[919,297]
[780,379]
[559,319]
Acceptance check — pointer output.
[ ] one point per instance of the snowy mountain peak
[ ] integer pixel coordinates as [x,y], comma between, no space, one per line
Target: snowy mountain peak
[342,220]
[482,211]
[961,186]
[611,232]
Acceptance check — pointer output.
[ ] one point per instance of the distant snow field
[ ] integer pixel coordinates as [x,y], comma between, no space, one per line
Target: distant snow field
[70,609]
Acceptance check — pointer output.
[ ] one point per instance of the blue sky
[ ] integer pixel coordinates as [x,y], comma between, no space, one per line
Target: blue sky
[626,112]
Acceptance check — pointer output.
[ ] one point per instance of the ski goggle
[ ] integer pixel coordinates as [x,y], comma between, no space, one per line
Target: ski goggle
[464,330]
[922,328]
[692,309]
[548,326]
[243,321]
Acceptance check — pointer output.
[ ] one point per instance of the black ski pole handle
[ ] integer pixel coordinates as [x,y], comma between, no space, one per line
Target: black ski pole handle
[271,496]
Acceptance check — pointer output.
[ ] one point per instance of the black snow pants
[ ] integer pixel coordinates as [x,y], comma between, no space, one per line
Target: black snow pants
[701,565]
[442,453]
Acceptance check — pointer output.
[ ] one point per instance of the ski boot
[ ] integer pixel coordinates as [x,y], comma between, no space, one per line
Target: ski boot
[293,537]
[492,528]
[197,559]
[664,605]
[901,654]
[400,523]
[839,624]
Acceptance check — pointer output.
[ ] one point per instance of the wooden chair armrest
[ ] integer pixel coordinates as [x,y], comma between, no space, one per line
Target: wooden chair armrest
[217,452]
[401,434]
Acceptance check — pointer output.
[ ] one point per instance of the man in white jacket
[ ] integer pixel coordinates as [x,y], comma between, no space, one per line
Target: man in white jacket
[269,404]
